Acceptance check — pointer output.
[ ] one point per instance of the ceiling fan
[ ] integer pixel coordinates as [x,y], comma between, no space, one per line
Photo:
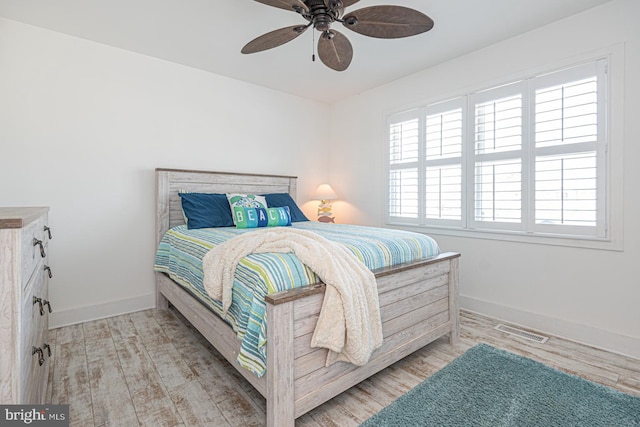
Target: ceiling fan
[334,49]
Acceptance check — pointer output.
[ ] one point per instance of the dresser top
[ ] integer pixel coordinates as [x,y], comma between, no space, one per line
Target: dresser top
[18,217]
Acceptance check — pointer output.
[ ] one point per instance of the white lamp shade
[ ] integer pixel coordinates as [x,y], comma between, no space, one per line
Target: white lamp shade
[325,192]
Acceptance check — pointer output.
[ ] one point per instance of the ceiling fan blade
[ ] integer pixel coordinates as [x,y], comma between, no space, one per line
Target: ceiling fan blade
[388,22]
[285,4]
[274,39]
[335,52]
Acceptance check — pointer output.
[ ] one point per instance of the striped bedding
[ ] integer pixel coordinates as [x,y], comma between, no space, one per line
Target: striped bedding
[181,251]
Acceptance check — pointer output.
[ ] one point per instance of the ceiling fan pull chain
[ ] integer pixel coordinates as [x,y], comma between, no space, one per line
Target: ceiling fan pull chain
[313,47]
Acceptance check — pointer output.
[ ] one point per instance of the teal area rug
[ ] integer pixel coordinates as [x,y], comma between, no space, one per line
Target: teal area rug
[491,387]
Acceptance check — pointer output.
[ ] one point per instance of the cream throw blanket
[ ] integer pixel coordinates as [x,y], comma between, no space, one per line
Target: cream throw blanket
[349,325]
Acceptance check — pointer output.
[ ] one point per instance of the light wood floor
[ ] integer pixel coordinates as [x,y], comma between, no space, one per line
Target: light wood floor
[150,368]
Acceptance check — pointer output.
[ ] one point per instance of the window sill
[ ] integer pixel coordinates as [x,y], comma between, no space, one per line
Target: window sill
[557,240]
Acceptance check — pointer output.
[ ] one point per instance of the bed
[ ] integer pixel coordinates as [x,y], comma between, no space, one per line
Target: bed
[418,302]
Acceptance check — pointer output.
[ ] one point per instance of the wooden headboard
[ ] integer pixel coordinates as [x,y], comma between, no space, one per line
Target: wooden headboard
[170,181]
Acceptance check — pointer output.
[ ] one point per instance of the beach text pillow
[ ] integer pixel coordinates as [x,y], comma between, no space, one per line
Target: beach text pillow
[261,217]
[245,201]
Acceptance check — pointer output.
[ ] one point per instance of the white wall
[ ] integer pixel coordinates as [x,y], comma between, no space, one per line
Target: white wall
[585,294]
[82,128]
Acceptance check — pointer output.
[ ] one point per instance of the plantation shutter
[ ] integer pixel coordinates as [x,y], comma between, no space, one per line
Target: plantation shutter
[403,180]
[569,151]
[497,158]
[443,163]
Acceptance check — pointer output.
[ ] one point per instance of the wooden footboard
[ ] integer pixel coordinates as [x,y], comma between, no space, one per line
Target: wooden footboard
[418,305]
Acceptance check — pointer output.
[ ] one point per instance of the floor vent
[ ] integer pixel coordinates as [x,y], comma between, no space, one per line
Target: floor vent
[522,334]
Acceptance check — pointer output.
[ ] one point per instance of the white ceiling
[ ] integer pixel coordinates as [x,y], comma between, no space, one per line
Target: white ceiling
[208,34]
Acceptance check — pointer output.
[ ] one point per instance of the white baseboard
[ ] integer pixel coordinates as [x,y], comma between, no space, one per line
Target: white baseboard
[583,334]
[76,315]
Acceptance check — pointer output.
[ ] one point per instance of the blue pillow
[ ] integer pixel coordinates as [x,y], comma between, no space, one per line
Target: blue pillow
[204,210]
[261,217]
[276,200]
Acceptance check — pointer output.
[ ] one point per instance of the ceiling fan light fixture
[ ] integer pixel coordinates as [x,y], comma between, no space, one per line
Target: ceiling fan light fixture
[350,21]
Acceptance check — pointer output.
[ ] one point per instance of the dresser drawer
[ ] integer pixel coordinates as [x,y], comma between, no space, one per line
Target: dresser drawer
[34,331]
[35,306]
[36,374]
[31,249]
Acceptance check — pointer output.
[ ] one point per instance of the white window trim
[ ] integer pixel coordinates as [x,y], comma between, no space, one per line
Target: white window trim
[614,135]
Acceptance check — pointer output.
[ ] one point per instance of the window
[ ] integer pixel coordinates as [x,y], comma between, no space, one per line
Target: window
[425,165]
[527,157]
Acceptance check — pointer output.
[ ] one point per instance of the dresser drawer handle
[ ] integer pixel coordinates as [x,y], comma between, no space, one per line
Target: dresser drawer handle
[48,270]
[48,230]
[40,354]
[48,348]
[47,303]
[37,242]
[38,301]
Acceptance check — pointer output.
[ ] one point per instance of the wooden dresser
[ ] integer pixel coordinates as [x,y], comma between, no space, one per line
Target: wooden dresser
[24,305]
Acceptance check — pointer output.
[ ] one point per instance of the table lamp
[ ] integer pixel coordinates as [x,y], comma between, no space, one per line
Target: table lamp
[325,194]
